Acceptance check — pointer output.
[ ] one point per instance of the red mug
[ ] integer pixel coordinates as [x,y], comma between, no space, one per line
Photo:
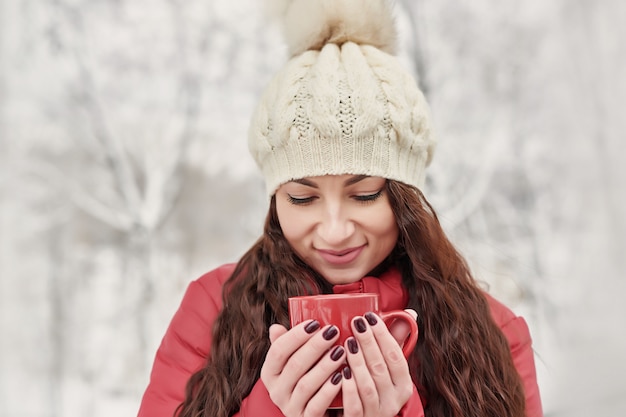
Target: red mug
[339,310]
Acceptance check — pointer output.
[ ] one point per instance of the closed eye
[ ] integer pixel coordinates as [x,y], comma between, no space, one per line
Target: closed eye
[300,201]
[368,197]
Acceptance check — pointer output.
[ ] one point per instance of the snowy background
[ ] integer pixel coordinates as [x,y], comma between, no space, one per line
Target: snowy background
[124,174]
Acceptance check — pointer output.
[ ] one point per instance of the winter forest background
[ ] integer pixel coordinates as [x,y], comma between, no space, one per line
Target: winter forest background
[125,174]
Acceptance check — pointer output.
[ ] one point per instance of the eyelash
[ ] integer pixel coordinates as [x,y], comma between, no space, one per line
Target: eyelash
[360,198]
[369,197]
[300,201]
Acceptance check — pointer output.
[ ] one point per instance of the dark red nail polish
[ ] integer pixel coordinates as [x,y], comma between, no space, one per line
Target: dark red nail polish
[312,326]
[330,332]
[359,325]
[371,318]
[347,373]
[353,346]
[336,378]
[337,353]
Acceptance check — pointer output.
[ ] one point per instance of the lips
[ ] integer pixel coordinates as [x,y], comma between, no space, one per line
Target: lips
[341,257]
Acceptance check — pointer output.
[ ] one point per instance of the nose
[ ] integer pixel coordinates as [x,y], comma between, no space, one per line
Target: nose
[336,226]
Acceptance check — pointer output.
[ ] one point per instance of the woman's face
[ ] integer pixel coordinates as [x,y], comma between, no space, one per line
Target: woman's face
[342,226]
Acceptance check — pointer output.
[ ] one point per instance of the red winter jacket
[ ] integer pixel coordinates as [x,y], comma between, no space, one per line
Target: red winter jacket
[185,346]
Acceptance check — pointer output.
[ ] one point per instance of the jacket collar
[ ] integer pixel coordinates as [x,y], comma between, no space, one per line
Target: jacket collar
[393,295]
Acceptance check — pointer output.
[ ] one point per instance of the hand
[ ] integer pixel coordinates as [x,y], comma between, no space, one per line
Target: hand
[400,329]
[377,382]
[301,369]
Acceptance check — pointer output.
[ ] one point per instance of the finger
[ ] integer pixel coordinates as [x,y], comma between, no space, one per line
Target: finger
[412,312]
[365,385]
[374,356]
[284,345]
[352,406]
[400,329]
[310,384]
[308,355]
[396,364]
[276,330]
[319,403]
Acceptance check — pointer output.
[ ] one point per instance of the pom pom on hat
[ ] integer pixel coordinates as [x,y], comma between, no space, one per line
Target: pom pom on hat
[342,104]
[311,24]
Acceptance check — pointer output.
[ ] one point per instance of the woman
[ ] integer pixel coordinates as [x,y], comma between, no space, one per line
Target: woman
[342,136]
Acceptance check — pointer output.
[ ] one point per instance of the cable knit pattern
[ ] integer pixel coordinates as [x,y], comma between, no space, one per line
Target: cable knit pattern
[348,108]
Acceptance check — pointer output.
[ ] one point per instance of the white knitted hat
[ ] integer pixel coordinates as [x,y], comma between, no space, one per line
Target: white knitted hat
[342,104]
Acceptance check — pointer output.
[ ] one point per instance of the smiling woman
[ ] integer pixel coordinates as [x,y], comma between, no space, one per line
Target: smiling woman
[342,136]
[342,226]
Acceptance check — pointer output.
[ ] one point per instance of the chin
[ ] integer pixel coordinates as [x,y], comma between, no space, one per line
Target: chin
[339,279]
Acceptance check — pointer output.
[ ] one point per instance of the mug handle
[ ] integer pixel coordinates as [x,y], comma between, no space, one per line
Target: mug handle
[409,344]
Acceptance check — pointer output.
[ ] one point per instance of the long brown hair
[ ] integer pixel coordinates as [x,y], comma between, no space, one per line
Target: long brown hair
[461,365]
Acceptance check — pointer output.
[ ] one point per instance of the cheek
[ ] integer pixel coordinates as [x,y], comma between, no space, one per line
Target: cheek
[290,222]
[383,223]
[385,231]
[389,232]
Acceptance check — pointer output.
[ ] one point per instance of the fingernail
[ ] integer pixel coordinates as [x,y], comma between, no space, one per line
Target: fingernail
[336,353]
[330,333]
[336,378]
[347,373]
[312,326]
[371,318]
[353,346]
[360,326]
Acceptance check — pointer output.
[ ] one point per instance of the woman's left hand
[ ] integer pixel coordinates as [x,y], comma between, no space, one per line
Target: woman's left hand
[377,382]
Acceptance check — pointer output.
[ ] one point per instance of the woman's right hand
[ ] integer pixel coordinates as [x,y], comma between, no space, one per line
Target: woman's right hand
[302,368]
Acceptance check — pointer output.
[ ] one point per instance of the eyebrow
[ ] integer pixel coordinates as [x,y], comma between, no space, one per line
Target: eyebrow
[349,181]
[355,179]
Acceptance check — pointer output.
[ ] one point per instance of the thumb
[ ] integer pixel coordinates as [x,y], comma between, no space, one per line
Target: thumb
[276,331]
[400,329]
